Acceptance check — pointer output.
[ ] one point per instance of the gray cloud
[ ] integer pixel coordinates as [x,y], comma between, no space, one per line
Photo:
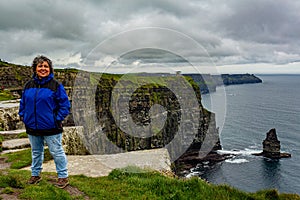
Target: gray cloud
[262,21]
[231,32]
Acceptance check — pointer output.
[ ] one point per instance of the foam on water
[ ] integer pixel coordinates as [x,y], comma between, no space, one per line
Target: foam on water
[245,152]
[237,161]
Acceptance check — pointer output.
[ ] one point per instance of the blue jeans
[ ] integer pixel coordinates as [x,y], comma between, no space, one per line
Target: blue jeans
[54,143]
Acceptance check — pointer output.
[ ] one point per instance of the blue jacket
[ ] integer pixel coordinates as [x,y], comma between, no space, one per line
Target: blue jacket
[43,106]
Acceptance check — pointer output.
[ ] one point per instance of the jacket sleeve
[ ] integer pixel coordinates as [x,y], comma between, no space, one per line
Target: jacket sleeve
[63,103]
[22,105]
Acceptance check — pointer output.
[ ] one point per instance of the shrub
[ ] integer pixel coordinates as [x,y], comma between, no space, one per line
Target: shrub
[7,190]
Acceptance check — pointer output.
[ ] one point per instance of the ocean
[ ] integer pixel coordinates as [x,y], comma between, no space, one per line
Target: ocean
[251,111]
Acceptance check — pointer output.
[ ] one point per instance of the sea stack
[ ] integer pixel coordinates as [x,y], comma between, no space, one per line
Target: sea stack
[271,146]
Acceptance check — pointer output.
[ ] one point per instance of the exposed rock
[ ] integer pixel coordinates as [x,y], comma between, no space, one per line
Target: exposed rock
[8,135]
[271,146]
[192,159]
[16,144]
[9,118]
[12,133]
[102,165]
[204,150]
[73,142]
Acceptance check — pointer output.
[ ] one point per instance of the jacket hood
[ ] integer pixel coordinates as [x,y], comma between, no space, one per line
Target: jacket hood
[43,80]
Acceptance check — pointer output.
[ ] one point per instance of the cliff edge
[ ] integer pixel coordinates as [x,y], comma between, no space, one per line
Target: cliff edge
[103,134]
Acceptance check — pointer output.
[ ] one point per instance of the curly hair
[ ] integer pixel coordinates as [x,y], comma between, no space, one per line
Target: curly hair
[40,59]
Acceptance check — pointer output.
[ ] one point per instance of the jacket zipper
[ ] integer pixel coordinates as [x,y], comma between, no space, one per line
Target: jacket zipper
[35,97]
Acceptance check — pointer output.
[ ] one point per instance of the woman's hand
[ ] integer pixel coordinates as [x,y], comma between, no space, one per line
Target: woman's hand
[59,124]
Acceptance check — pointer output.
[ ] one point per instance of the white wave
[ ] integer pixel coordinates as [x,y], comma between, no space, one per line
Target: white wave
[237,161]
[254,146]
[206,162]
[192,174]
[245,152]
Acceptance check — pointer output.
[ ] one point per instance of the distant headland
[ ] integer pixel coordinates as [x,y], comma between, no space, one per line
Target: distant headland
[208,82]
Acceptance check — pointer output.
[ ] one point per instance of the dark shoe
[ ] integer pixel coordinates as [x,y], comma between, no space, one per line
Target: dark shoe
[62,182]
[34,179]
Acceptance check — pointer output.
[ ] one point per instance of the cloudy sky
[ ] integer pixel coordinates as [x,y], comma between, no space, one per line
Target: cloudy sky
[255,36]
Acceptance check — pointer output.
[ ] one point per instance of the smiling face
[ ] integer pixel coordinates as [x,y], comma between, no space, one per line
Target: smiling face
[43,69]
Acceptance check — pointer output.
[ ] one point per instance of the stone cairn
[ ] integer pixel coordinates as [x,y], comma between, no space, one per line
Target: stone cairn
[271,147]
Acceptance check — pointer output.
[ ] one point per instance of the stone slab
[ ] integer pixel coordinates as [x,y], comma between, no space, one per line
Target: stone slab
[12,150]
[102,165]
[15,144]
[9,103]
[12,132]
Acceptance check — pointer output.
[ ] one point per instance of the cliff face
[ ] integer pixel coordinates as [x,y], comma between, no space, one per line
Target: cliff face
[206,82]
[13,76]
[185,126]
[110,129]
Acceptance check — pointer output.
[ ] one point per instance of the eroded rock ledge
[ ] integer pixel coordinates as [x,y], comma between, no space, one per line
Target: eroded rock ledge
[271,147]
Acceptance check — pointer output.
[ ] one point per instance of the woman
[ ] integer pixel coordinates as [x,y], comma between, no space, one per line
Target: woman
[43,107]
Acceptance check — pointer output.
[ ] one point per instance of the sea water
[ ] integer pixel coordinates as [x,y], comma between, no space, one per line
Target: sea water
[251,111]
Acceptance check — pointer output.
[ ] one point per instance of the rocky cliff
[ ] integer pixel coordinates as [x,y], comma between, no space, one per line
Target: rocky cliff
[13,77]
[109,129]
[186,123]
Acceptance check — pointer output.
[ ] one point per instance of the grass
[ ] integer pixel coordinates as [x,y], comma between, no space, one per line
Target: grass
[22,158]
[22,135]
[10,137]
[127,183]
[5,95]
[14,181]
